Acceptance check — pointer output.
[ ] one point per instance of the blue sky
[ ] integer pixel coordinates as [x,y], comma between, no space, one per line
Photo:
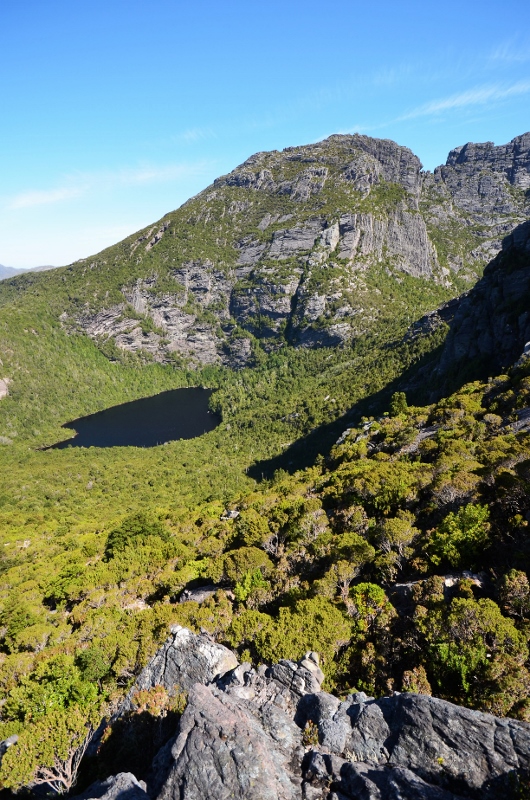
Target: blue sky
[115,112]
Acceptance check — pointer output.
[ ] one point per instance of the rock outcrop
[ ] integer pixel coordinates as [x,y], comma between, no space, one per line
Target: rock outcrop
[477,198]
[123,786]
[308,246]
[184,660]
[273,734]
[491,324]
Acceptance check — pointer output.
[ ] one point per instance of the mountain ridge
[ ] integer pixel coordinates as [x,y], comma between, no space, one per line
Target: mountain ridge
[10,272]
[306,247]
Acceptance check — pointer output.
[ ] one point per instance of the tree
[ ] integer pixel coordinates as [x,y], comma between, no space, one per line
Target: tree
[394,537]
[237,563]
[251,583]
[514,594]
[371,608]
[398,404]
[461,536]
[315,624]
[49,752]
[136,529]
[475,655]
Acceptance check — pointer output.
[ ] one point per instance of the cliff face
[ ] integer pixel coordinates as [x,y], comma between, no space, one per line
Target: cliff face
[491,323]
[273,734]
[308,247]
[476,199]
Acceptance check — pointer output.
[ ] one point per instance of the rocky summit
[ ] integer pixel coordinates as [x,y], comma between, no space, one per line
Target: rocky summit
[295,246]
[273,734]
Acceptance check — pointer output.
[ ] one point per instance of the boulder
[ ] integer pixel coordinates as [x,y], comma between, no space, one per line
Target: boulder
[123,786]
[458,749]
[222,751]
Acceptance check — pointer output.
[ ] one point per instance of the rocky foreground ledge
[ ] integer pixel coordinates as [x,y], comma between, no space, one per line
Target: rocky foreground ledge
[272,734]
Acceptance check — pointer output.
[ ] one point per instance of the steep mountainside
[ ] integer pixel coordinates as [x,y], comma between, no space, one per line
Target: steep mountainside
[492,324]
[310,246]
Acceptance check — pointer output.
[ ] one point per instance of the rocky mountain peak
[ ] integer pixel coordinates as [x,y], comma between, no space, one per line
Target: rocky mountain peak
[511,160]
[306,247]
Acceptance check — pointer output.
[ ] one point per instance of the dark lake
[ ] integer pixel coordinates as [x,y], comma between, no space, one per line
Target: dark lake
[177,414]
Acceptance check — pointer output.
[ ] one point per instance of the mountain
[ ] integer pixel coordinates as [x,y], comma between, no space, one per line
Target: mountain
[10,272]
[488,327]
[310,247]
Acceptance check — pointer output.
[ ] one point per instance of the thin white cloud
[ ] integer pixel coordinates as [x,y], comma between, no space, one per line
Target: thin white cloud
[82,183]
[43,197]
[511,52]
[480,95]
[196,135]
[147,174]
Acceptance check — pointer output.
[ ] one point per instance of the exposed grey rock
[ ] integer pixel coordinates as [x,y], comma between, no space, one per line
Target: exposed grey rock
[263,307]
[456,748]
[186,658]
[511,160]
[123,786]
[486,331]
[310,182]
[359,781]
[243,735]
[250,252]
[395,164]
[223,752]
[480,188]
[283,683]
[4,387]
[291,241]
[158,235]
[401,235]
[198,595]
[238,738]
[364,171]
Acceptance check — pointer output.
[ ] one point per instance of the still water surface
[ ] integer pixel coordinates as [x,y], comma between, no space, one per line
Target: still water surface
[177,414]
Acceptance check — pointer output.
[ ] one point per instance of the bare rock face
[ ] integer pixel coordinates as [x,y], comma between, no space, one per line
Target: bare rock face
[448,746]
[492,323]
[238,737]
[481,187]
[222,751]
[123,786]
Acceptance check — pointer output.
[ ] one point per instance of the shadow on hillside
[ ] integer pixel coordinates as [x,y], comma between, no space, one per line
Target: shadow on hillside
[440,374]
[303,452]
